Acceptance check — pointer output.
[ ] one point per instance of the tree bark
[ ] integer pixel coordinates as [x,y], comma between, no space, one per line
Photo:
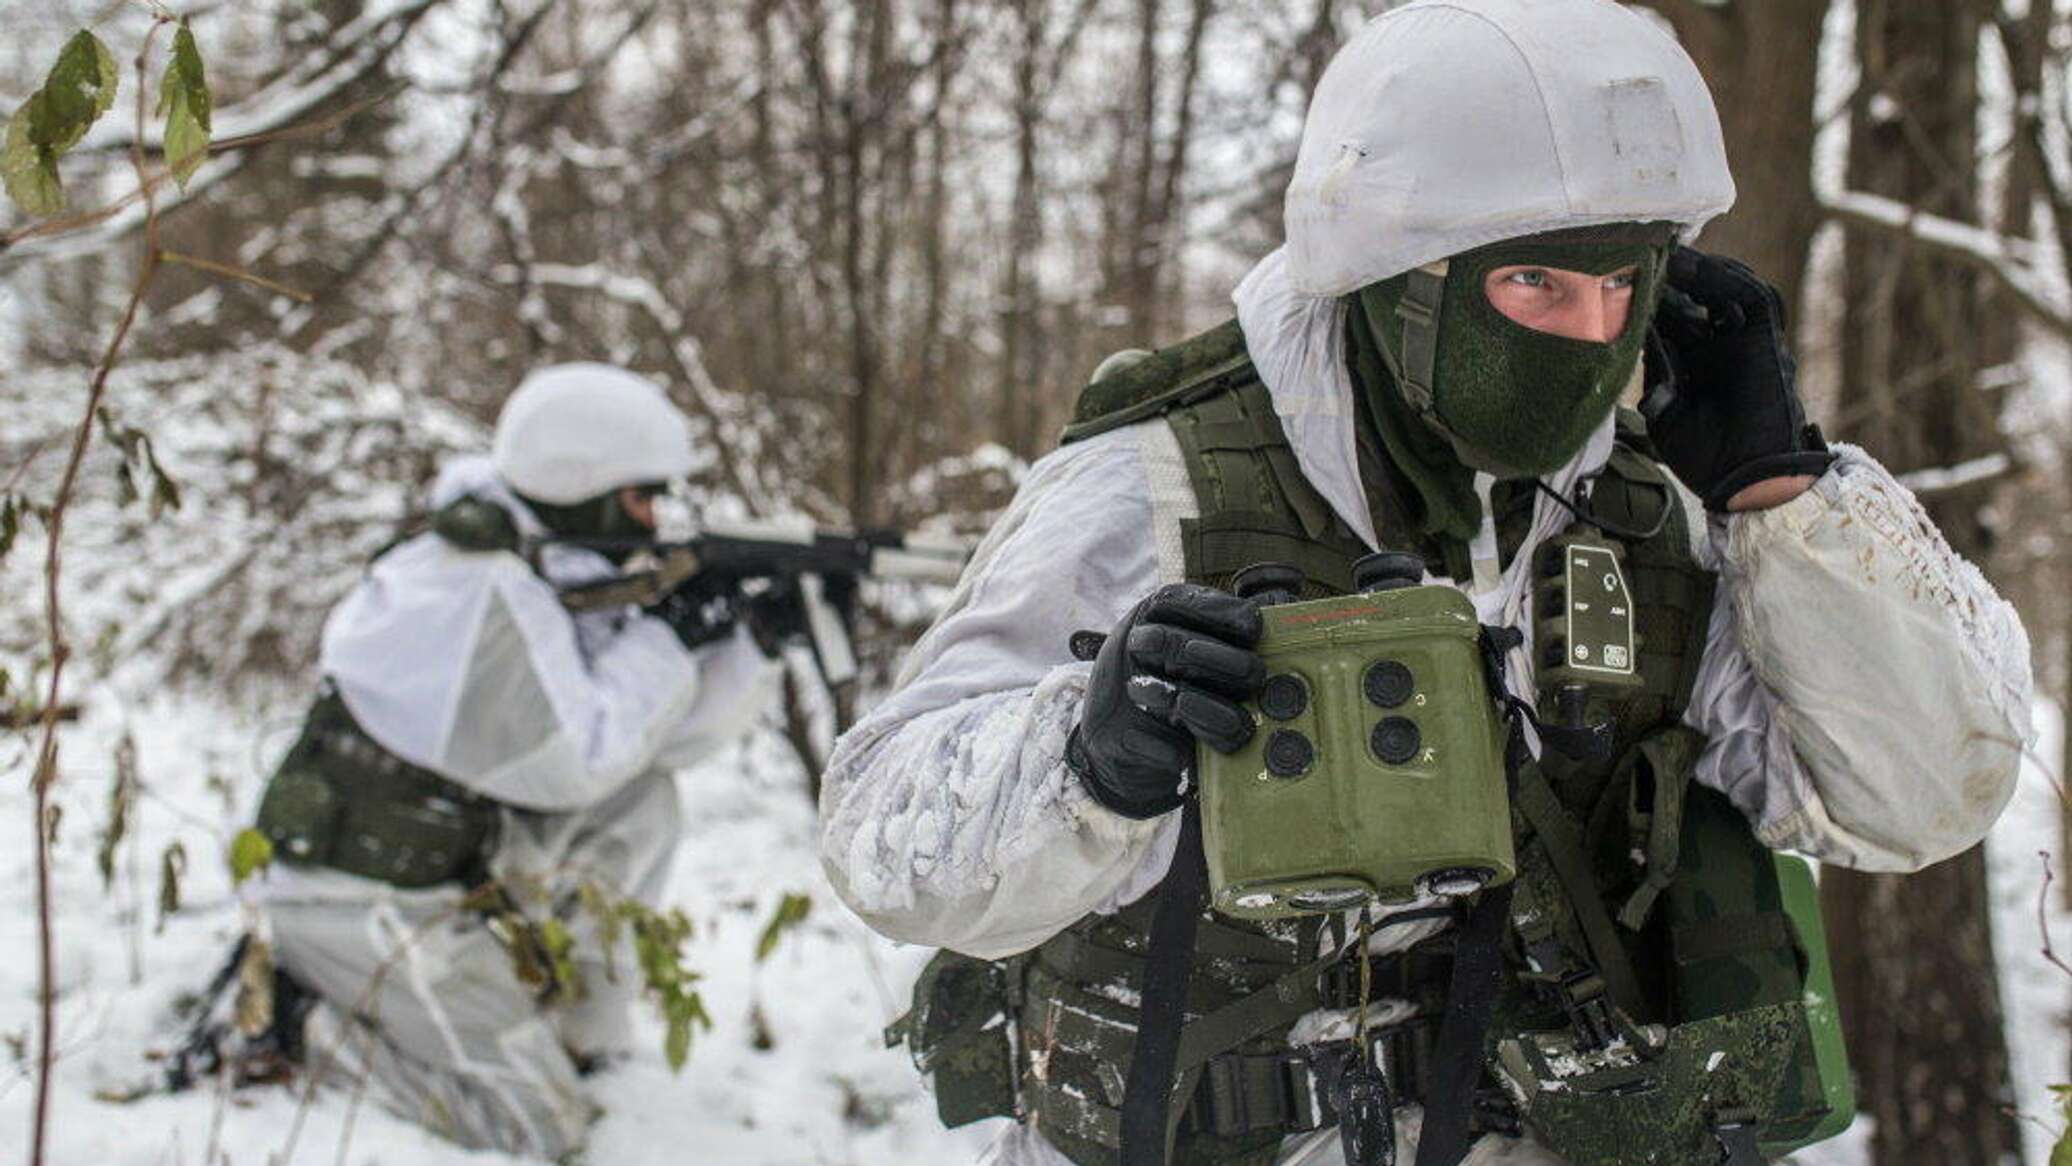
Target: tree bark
[1915,969]
[1761,61]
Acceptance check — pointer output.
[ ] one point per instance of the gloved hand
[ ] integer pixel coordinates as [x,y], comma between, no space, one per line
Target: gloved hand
[1723,404]
[1171,673]
[699,612]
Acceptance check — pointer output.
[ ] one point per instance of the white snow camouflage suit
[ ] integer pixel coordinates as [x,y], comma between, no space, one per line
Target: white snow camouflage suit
[466,663]
[1864,691]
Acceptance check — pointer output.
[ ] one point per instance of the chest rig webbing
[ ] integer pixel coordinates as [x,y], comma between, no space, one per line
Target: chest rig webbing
[1605,939]
[342,800]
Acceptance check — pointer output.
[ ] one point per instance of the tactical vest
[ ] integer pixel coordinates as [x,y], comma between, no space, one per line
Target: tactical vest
[1644,906]
[342,800]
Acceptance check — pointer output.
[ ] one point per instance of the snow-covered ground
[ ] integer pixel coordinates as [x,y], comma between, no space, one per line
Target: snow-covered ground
[825,1091]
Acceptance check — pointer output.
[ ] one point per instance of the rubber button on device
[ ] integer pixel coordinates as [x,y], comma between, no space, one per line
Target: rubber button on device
[1396,740]
[1389,683]
[1289,753]
[1284,697]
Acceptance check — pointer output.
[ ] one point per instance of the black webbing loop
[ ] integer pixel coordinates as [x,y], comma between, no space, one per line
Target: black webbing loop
[1148,1096]
[1478,971]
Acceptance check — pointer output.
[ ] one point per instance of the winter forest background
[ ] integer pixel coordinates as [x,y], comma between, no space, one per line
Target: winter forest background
[872,247]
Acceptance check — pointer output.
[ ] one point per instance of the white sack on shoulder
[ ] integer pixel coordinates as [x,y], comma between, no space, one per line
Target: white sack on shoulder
[1866,689]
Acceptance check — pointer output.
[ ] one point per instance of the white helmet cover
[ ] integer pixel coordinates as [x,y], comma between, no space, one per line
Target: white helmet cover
[573,431]
[1445,125]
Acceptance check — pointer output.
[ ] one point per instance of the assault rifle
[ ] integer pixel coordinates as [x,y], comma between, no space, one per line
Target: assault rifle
[817,568]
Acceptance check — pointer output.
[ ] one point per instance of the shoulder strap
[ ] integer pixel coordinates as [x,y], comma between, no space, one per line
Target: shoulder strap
[1198,367]
[476,524]
[1254,504]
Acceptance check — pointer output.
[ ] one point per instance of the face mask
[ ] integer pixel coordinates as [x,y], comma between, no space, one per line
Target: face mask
[602,518]
[1514,401]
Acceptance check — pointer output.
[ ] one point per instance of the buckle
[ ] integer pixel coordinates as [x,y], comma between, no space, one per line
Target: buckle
[1582,998]
[1246,1093]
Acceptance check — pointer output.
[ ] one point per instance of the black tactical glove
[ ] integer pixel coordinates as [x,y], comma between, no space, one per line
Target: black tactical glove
[1723,405]
[1170,674]
[699,612]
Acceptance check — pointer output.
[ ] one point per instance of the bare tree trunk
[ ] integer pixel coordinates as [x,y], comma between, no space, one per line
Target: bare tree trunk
[1915,972]
[1019,392]
[1761,62]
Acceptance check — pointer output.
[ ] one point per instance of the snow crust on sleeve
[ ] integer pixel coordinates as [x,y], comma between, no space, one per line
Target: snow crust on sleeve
[1866,690]
[948,814]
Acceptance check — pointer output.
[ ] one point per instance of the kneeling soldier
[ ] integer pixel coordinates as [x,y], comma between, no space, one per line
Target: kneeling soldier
[485,768]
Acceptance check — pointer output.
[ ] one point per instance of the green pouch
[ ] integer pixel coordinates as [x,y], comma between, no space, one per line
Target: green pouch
[1745,932]
[1632,1102]
[959,1034]
[1818,1100]
[342,801]
[300,811]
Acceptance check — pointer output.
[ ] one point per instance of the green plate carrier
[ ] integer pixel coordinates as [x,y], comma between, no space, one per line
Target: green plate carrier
[340,799]
[1644,903]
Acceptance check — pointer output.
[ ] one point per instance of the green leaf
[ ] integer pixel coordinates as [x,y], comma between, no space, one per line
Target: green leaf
[10,524]
[250,853]
[560,947]
[29,171]
[79,89]
[791,912]
[611,927]
[183,100]
[683,1012]
[2061,1154]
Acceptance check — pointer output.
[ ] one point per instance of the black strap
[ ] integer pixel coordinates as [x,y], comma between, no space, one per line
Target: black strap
[1478,972]
[1148,1097]
[1738,1144]
[1563,845]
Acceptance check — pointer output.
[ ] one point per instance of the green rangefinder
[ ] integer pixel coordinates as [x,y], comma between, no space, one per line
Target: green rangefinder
[1377,772]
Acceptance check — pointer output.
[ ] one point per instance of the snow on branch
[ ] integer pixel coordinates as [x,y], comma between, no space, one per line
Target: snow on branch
[1942,479]
[352,54]
[348,55]
[2010,262]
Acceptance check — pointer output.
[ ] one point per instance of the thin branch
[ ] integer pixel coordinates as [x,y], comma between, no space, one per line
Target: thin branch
[1967,243]
[270,119]
[1945,479]
[2043,916]
[54,526]
[237,273]
[84,219]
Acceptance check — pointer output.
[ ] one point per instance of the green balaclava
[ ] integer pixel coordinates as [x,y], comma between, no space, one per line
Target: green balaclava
[1511,401]
[603,518]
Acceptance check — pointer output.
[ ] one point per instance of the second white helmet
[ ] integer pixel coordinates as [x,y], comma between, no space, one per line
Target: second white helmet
[571,432]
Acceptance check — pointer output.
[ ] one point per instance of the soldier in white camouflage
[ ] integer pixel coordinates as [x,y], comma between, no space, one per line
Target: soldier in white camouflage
[1488,226]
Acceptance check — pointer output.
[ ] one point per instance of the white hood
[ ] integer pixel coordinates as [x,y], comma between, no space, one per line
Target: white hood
[1447,124]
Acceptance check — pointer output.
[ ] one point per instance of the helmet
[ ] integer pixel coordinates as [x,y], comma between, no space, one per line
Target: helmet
[1446,125]
[572,432]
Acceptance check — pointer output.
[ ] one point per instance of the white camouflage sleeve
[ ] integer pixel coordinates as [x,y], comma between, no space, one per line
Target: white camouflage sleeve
[1865,689]
[948,816]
